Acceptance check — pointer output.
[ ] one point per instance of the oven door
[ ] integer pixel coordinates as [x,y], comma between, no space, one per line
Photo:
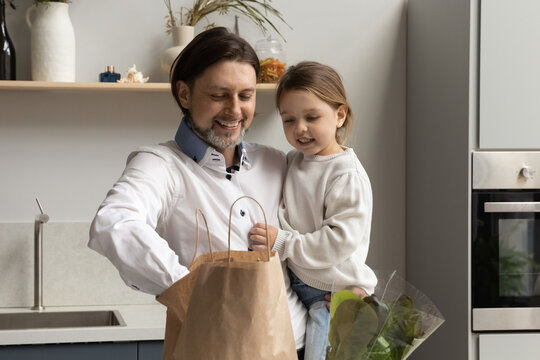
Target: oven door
[505,260]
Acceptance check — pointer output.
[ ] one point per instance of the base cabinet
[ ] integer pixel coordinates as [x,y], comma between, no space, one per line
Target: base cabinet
[509,346]
[150,350]
[143,350]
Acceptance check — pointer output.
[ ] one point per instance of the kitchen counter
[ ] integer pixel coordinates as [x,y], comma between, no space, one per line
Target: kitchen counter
[143,322]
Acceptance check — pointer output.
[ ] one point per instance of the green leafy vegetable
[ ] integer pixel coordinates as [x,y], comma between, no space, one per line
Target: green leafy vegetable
[339,297]
[371,329]
[352,329]
[381,309]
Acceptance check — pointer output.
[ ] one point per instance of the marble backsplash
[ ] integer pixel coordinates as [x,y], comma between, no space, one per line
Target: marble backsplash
[73,274]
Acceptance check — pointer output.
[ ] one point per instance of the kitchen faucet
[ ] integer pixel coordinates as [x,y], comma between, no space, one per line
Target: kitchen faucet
[38,258]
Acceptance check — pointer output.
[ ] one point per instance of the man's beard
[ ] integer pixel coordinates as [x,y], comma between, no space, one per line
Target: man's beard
[218,142]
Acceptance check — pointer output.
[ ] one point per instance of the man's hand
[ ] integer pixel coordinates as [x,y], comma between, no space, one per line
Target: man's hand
[257,237]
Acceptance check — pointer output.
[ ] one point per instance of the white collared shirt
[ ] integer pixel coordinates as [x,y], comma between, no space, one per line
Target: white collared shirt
[146,225]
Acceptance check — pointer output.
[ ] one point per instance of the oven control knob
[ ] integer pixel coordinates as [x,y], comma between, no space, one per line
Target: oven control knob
[526,172]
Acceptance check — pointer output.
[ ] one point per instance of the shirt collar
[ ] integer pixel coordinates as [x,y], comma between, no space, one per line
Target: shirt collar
[195,147]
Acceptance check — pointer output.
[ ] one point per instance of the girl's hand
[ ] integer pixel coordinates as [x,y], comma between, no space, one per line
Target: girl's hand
[257,237]
[355,289]
[358,291]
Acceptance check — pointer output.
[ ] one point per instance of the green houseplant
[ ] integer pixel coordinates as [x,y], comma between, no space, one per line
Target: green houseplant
[255,10]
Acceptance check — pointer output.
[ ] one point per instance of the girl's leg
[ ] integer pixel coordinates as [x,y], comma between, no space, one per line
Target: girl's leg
[317,328]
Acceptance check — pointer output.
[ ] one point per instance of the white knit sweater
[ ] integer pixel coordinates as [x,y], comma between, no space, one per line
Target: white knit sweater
[325,214]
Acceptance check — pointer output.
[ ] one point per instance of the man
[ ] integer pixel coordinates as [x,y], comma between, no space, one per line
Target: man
[146,225]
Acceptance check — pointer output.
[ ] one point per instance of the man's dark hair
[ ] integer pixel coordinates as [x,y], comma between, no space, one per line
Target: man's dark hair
[206,49]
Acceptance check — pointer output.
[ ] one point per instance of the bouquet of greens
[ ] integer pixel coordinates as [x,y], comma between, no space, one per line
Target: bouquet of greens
[387,328]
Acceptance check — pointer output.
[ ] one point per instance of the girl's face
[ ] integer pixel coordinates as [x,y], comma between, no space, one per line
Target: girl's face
[309,123]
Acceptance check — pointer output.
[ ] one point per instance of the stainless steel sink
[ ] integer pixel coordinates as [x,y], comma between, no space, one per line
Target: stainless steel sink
[64,319]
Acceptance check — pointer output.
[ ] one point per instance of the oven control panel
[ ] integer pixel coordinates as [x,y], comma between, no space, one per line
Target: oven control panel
[506,170]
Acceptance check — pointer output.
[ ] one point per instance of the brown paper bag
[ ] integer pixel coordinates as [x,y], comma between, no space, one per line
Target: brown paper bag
[231,306]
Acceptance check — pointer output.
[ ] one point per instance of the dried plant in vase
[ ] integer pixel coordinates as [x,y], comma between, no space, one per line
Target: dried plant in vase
[37,2]
[255,10]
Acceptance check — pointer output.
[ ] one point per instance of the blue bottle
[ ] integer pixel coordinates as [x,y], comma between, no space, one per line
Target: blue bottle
[109,75]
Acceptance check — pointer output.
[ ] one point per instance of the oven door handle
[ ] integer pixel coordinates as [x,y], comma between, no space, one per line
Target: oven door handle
[512,207]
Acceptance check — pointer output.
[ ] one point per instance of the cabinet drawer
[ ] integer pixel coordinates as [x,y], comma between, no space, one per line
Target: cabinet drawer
[89,351]
[509,346]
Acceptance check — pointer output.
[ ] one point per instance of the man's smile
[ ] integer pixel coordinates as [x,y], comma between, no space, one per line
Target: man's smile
[229,124]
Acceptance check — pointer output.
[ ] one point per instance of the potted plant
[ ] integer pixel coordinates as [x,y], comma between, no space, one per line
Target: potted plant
[36,2]
[181,24]
[255,10]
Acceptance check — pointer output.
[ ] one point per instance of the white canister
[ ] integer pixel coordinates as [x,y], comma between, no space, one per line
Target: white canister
[52,44]
[182,35]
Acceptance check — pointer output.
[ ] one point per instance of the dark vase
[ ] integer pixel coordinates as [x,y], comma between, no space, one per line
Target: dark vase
[7,50]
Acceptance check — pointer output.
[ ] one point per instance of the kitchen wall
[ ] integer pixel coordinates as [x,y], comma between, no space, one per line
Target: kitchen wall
[68,148]
[442,75]
[73,274]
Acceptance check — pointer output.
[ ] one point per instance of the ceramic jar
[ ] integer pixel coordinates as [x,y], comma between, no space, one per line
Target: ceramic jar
[52,42]
[182,35]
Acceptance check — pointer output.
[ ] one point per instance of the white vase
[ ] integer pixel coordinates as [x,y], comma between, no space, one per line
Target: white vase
[52,42]
[182,35]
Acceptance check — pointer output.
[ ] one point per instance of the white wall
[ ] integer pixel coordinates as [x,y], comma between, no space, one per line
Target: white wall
[69,148]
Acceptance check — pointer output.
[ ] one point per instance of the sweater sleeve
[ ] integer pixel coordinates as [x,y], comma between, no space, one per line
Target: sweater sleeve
[124,228]
[347,217]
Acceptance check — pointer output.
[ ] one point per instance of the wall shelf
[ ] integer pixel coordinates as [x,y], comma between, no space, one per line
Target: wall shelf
[22,85]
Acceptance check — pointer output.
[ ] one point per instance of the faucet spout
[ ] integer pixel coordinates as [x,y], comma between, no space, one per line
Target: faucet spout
[38,258]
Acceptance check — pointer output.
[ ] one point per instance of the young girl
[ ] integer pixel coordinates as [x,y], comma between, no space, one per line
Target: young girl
[325,212]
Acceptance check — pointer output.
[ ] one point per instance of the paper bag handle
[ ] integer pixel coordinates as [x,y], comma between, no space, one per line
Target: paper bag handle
[197,211]
[265,223]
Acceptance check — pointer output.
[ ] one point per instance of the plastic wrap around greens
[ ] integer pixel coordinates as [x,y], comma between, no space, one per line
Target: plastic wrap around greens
[387,328]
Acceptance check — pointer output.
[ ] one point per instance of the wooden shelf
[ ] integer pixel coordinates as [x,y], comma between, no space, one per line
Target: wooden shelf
[21,85]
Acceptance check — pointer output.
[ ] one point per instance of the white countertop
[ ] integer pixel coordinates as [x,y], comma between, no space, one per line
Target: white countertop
[143,322]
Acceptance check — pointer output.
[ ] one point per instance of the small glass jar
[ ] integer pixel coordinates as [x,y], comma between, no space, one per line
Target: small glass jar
[272,59]
[109,75]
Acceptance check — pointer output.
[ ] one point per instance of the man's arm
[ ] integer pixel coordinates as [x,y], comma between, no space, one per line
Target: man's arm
[124,227]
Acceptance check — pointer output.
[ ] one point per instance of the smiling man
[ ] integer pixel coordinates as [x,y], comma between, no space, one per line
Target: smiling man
[146,225]
[220,104]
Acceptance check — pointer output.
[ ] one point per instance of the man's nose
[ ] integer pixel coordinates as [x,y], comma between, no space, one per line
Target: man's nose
[233,106]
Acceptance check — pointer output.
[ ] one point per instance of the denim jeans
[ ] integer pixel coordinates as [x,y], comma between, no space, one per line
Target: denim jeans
[318,324]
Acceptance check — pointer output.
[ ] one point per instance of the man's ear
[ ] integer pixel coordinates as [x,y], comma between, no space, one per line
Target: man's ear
[184,93]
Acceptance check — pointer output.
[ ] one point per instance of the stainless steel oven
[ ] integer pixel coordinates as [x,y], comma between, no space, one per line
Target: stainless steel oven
[505,250]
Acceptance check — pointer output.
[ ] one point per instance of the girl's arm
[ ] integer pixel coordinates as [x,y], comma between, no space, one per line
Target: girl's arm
[345,228]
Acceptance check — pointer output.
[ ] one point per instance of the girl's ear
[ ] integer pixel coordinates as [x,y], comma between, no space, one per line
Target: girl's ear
[341,115]
[184,93]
